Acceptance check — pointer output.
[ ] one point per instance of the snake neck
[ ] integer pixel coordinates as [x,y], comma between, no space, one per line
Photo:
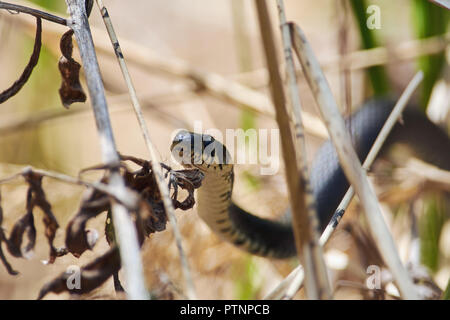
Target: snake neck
[214,199]
[275,239]
[233,224]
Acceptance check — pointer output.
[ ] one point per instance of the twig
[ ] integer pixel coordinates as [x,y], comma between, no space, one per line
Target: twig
[292,283]
[321,280]
[124,228]
[350,162]
[33,12]
[363,59]
[224,89]
[211,83]
[442,3]
[370,158]
[130,203]
[345,73]
[117,104]
[19,83]
[163,188]
[303,232]
[429,172]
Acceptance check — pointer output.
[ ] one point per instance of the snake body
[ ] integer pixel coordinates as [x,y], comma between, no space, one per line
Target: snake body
[274,238]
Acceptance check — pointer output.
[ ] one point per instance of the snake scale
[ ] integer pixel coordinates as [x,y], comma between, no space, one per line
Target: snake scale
[274,238]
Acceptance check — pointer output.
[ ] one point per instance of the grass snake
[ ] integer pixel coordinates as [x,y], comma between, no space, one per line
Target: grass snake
[274,238]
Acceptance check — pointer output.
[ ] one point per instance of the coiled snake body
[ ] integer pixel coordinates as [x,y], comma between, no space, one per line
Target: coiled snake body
[272,238]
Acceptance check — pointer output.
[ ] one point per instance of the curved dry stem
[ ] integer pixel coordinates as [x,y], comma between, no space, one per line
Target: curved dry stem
[124,227]
[163,188]
[34,12]
[294,281]
[319,281]
[350,162]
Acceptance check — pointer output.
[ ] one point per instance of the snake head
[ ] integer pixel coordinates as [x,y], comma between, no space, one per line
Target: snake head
[202,151]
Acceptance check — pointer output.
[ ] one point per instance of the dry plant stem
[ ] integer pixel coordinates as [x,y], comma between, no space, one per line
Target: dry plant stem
[33,12]
[241,95]
[117,104]
[157,169]
[125,231]
[129,202]
[378,56]
[429,172]
[370,158]
[443,3]
[350,162]
[362,59]
[353,61]
[292,283]
[345,73]
[211,83]
[304,238]
[302,162]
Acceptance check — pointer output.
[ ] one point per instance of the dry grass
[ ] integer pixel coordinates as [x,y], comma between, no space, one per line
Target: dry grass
[200,34]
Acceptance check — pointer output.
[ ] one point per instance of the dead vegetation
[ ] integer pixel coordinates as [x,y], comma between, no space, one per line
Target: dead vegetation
[217,269]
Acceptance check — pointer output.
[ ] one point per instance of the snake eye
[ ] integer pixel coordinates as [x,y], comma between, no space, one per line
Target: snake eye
[181,147]
[182,136]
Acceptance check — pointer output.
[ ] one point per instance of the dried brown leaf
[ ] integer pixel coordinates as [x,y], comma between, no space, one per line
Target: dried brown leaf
[91,276]
[39,199]
[78,238]
[70,90]
[149,218]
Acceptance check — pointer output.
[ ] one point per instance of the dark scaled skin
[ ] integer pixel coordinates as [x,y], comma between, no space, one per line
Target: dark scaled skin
[275,238]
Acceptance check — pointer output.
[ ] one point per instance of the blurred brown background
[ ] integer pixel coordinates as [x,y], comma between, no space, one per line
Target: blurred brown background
[206,36]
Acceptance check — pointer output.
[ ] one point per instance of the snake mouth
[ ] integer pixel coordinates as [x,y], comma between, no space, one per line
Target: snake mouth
[191,160]
[194,166]
[186,152]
